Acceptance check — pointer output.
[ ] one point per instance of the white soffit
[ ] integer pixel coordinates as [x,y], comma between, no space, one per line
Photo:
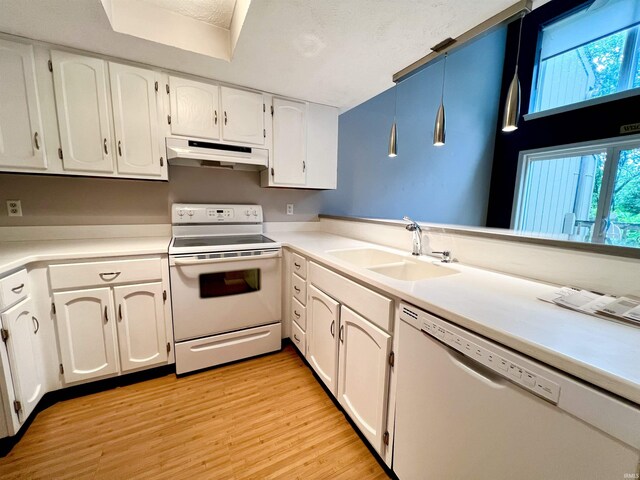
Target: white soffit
[336,52]
[205,27]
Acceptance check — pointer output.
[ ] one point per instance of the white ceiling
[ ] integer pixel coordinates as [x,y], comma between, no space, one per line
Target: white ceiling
[213,12]
[336,52]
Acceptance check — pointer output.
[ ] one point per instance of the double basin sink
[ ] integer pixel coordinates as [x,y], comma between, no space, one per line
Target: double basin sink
[391,264]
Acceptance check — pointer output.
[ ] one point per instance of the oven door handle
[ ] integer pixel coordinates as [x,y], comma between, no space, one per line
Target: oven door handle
[185,263]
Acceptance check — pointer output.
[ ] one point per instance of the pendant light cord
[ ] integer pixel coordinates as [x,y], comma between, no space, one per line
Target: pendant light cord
[444,72]
[395,101]
[519,40]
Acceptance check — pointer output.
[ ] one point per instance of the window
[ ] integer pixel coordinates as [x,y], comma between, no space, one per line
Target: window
[587,193]
[588,54]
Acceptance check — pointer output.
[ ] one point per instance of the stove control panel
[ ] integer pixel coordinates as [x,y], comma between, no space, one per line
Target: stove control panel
[191,213]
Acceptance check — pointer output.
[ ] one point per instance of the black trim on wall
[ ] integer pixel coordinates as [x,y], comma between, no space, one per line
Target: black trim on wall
[580,125]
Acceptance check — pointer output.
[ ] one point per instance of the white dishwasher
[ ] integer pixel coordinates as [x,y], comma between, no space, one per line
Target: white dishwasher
[469,408]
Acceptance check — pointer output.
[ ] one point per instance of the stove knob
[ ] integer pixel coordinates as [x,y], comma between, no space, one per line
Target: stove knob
[247,212]
[255,213]
[180,213]
[190,212]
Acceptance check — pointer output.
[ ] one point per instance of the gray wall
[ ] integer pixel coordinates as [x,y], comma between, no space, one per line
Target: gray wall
[59,200]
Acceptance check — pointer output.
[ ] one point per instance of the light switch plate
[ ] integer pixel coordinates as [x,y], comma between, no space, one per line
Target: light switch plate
[289,208]
[14,208]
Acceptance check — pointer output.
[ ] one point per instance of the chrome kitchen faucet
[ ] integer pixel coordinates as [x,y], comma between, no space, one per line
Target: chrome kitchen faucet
[417,235]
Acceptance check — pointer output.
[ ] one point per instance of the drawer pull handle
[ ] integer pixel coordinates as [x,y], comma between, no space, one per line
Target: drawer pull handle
[120,312]
[106,150]
[297,265]
[106,315]
[36,140]
[342,333]
[296,337]
[108,276]
[295,312]
[18,289]
[119,148]
[296,289]
[36,324]
[332,329]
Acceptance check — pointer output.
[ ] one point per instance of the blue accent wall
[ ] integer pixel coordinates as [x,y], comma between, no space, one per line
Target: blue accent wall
[448,184]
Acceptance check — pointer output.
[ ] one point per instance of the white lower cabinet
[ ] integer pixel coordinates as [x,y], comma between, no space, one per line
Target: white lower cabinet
[350,352]
[87,333]
[141,329]
[363,376]
[20,329]
[323,316]
[117,327]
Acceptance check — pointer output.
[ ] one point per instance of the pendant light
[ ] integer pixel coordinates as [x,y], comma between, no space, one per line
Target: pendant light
[512,105]
[439,129]
[393,136]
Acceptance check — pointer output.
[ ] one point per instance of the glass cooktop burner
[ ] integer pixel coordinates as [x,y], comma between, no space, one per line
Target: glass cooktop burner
[220,241]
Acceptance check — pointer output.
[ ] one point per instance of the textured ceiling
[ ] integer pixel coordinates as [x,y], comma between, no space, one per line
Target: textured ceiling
[214,12]
[336,52]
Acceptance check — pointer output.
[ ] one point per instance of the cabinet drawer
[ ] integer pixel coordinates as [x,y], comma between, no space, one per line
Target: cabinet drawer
[78,275]
[298,338]
[371,305]
[299,265]
[299,313]
[299,288]
[13,288]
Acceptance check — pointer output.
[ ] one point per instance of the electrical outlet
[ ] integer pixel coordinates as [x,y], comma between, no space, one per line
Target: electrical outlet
[289,208]
[14,208]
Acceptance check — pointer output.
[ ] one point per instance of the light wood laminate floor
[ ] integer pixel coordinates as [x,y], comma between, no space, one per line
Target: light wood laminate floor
[261,418]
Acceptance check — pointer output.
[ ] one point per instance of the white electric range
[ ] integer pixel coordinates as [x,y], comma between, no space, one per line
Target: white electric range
[225,285]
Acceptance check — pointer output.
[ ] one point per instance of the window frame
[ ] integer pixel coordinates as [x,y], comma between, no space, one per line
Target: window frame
[612,146]
[630,59]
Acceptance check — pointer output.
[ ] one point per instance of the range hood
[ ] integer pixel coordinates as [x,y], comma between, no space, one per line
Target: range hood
[199,153]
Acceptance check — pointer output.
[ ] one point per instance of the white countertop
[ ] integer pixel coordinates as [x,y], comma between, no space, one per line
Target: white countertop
[505,309]
[16,254]
[498,306]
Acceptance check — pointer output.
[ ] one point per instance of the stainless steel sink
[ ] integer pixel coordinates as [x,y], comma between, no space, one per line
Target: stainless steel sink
[366,257]
[413,271]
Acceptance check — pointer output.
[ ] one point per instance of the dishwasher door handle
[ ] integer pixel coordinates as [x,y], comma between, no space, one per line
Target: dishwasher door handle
[475,369]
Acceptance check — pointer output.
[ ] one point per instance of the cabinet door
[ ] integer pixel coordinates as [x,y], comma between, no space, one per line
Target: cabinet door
[135,116]
[363,378]
[23,353]
[82,102]
[322,147]
[242,116]
[323,316]
[289,142]
[21,142]
[141,327]
[86,331]
[194,108]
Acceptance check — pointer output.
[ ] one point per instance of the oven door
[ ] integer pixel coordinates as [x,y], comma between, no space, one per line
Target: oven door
[220,293]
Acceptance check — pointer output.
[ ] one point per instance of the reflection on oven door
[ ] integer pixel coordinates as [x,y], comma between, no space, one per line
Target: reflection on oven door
[222,297]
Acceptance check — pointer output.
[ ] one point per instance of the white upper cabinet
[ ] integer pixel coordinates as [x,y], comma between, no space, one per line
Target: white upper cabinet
[363,378]
[242,116]
[323,318]
[21,138]
[322,147]
[23,327]
[82,102]
[86,332]
[289,143]
[194,108]
[305,146]
[135,116]
[141,325]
